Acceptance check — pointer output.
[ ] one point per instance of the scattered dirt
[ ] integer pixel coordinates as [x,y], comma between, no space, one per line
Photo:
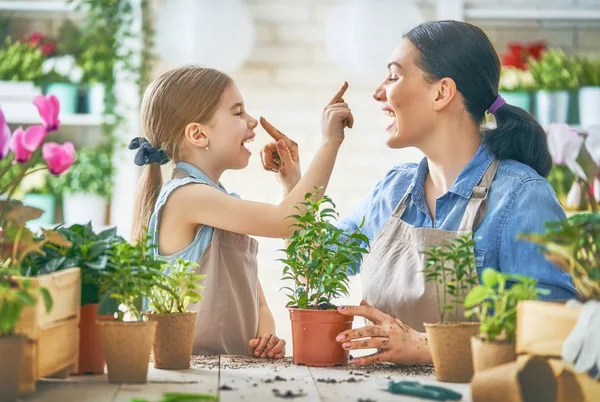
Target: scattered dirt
[225,387]
[366,400]
[288,394]
[334,381]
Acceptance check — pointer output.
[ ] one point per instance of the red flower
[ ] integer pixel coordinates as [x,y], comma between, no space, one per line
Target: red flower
[518,54]
[48,48]
[35,39]
[536,49]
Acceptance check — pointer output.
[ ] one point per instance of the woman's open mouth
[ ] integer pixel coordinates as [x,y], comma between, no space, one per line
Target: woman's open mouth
[390,113]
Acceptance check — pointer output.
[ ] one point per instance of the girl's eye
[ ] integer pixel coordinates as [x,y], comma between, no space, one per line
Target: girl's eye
[392,79]
[239,113]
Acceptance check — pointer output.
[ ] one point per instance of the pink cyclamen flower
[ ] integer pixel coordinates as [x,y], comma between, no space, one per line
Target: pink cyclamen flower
[24,143]
[58,157]
[49,107]
[564,144]
[4,136]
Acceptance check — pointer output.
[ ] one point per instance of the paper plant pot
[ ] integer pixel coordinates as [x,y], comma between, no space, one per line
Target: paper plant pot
[127,347]
[526,380]
[491,354]
[542,327]
[451,350]
[174,340]
[313,337]
[11,350]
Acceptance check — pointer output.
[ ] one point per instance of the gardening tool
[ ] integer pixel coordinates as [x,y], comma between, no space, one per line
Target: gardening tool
[414,388]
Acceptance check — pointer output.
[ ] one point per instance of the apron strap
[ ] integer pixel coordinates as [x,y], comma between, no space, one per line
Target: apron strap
[477,206]
[401,207]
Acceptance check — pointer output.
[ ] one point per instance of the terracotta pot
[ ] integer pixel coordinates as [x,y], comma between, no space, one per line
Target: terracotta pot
[91,356]
[313,336]
[174,340]
[542,327]
[451,350]
[491,354]
[127,347]
[11,350]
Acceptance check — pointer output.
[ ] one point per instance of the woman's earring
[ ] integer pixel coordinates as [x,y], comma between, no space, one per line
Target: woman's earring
[206,147]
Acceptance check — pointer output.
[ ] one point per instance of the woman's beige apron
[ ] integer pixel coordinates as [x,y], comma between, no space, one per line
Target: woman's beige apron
[392,273]
[228,315]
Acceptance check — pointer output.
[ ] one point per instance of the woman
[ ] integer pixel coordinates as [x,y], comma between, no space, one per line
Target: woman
[442,79]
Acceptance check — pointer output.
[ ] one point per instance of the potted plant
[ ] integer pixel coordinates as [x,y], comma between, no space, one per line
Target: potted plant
[90,252]
[178,287]
[14,296]
[37,192]
[61,77]
[87,187]
[589,94]
[20,70]
[516,86]
[451,268]
[127,344]
[494,303]
[555,74]
[97,61]
[317,260]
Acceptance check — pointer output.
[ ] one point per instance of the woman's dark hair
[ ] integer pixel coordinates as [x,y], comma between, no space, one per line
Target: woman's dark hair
[463,52]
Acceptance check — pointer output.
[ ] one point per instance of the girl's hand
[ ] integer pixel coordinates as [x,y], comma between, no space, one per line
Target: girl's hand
[281,156]
[336,117]
[267,346]
[395,341]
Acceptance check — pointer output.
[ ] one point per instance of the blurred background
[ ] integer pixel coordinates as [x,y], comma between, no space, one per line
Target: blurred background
[288,58]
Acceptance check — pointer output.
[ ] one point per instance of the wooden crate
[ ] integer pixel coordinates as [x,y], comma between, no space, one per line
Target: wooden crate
[53,338]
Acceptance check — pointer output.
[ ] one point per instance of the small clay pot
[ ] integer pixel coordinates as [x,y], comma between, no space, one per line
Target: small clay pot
[451,350]
[91,356]
[127,347]
[491,354]
[313,336]
[174,340]
[11,350]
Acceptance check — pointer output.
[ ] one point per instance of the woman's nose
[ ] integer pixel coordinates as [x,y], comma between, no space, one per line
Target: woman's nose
[379,94]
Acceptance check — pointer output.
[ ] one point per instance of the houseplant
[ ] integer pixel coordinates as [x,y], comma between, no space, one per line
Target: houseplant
[451,269]
[87,186]
[90,252]
[61,77]
[494,303]
[97,62]
[555,74]
[516,86]
[589,94]
[175,325]
[317,259]
[127,344]
[14,296]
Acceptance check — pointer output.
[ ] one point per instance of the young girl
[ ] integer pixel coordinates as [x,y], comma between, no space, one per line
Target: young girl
[195,117]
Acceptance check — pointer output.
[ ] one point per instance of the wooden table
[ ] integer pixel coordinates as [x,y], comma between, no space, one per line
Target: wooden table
[238,378]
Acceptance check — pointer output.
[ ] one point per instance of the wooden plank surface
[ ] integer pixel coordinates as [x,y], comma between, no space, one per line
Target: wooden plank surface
[252,379]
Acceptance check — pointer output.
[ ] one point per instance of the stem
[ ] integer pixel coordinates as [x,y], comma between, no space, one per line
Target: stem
[16,244]
[12,191]
[445,290]
[590,196]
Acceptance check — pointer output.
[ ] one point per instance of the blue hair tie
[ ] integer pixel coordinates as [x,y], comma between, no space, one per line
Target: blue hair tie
[146,153]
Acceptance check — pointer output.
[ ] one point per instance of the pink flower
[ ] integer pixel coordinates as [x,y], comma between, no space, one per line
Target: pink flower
[24,143]
[49,107]
[58,157]
[4,136]
[564,144]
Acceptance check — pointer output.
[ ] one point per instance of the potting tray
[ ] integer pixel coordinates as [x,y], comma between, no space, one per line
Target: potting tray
[53,337]
[235,378]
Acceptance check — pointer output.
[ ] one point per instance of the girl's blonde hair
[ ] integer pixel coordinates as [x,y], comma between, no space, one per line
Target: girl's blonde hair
[179,97]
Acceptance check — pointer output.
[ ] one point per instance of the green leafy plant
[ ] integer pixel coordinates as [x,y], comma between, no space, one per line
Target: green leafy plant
[453,269]
[590,72]
[131,274]
[4,24]
[319,255]
[20,61]
[573,244]
[17,242]
[92,173]
[556,71]
[14,296]
[88,251]
[179,287]
[494,303]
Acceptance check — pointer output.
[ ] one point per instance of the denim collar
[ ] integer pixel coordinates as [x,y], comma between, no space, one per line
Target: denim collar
[198,174]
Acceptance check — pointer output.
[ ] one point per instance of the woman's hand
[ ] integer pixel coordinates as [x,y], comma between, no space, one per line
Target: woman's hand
[267,346]
[281,156]
[395,341]
[336,117]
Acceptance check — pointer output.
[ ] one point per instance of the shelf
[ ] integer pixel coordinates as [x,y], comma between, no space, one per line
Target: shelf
[65,120]
[36,6]
[532,14]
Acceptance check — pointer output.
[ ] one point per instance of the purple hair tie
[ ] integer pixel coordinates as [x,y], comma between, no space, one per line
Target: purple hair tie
[496,105]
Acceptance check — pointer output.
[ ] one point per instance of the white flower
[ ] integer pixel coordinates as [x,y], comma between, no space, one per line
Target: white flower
[509,79]
[76,75]
[48,66]
[574,196]
[526,79]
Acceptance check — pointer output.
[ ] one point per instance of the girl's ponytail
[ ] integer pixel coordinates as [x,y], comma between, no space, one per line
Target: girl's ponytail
[148,189]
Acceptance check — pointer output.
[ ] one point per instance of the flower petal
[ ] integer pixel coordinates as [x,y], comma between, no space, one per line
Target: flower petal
[22,154]
[34,136]
[574,196]
[592,144]
[564,143]
[4,136]
[58,157]
[48,107]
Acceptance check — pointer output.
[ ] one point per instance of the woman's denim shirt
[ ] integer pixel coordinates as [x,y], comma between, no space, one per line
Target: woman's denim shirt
[519,201]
